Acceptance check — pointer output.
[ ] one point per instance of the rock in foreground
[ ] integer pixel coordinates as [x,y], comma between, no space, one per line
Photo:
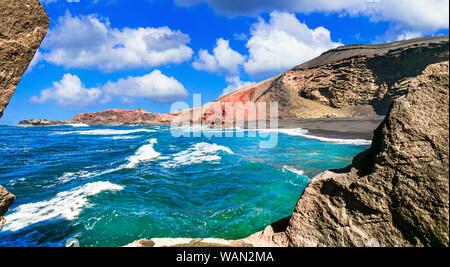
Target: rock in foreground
[6,200]
[395,193]
[23,25]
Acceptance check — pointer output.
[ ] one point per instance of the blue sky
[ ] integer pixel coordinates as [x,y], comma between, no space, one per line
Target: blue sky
[102,54]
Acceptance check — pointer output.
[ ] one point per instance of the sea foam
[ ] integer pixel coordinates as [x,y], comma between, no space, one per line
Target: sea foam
[108,132]
[305,133]
[65,205]
[198,153]
[144,153]
[293,170]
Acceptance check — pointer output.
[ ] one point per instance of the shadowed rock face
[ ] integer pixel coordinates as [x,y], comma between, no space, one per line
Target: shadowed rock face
[395,193]
[23,25]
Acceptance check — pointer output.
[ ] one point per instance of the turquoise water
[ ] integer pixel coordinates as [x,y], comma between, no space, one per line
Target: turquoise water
[109,186]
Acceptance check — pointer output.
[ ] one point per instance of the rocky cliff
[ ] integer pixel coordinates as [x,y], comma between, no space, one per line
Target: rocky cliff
[350,81]
[395,193]
[23,25]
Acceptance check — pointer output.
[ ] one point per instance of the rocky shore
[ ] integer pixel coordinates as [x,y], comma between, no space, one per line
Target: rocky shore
[394,194]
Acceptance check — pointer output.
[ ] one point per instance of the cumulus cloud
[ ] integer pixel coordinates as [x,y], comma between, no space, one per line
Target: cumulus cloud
[423,16]
[283,43]
[234,83]
[71,92]
[91,42]
[154,86]
[223,59]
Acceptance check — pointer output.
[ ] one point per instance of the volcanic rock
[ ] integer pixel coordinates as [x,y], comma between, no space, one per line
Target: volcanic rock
[23,25]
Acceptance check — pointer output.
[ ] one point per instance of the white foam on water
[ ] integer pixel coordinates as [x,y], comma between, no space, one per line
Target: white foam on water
[305,133]
[108,132]
[78,125]
[65,205]
[144,153]
[198,153]
[293,170]
[122,137]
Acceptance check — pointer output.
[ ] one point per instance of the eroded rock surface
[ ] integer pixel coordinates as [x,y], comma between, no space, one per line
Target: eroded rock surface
[395,193]
[350,81]
[6,200]
[23,25]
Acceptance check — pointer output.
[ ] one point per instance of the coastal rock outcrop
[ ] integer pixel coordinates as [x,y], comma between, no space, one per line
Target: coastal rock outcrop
[124,117]
[395,193]
[23,26]
[111,117]
[349,81]
[6,200]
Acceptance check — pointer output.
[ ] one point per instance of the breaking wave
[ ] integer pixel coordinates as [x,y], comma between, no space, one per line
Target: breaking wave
[198,153]
[65,205]
[144,153]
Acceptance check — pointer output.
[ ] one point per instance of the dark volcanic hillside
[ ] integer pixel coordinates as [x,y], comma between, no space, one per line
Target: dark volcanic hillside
[355,80]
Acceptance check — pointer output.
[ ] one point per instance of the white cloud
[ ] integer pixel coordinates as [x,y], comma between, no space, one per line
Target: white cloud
[283,43]
[154,86]
[71,92]
[91,42]
[424,16]
[223,60]
[234,83]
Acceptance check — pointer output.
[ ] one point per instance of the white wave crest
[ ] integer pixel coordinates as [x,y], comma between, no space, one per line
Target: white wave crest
[65,205]
[305,133]
[78,125]
[293,170]
[144,153]
[200,152]
[122,137]
[108,132]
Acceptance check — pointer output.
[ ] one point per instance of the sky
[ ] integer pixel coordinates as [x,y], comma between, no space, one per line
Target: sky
[103,54]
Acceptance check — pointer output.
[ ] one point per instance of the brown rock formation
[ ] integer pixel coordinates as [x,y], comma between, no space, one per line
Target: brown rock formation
[350,81]
[23,25]
[6,200]
[123,117]
[395,193]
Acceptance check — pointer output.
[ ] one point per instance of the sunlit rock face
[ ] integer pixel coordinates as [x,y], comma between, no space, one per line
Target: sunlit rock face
[23,26]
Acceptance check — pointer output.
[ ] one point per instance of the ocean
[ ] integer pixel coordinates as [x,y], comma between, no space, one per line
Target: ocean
[110,186]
